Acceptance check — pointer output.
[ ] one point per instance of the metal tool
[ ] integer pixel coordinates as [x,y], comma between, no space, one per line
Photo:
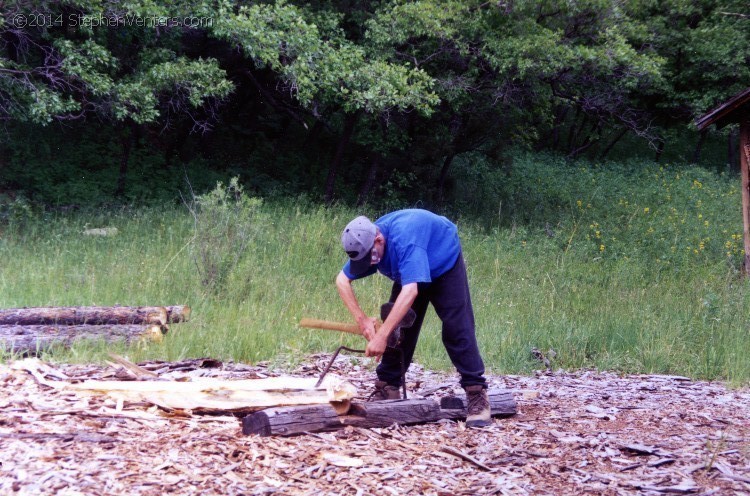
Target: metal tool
[392,345]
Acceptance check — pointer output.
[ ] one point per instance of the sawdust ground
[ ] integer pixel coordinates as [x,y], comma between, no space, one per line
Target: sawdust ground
[576,433]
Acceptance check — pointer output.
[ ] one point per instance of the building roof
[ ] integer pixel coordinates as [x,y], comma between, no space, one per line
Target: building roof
[733,110]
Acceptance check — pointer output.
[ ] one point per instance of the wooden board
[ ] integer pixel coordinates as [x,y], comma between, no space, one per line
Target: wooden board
[299,420]
[206,394]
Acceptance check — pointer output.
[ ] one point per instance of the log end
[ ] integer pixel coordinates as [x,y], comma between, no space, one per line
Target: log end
[256,423]
[154,333]
[341,407]
[178,313]
[158,316]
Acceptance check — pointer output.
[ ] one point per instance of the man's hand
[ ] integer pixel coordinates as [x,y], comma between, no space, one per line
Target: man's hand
[376,346]
[368,327]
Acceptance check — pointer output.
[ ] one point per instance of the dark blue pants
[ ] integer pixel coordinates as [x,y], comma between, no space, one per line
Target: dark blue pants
[449,295]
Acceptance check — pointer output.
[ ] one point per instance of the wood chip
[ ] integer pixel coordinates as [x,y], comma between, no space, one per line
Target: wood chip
[663,436]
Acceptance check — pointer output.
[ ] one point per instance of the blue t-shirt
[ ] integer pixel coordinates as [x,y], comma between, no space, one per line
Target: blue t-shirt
[419,247]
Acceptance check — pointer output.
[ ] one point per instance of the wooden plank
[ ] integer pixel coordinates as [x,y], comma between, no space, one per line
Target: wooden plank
[85,315]
[726,112]
[35,338]
[299,420]
[207,394]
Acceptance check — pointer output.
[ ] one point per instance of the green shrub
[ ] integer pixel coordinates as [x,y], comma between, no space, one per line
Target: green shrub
[15,209]
[225,221]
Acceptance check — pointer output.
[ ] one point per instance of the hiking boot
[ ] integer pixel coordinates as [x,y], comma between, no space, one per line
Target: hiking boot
[478,412]
[384,391]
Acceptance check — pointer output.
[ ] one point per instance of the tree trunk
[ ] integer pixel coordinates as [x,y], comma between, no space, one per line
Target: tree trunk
[128,141]
[443,176]
[560,115]
[372,174]
[93,315]
[346,135]
[572,132]
[298,420]
[34,338]
[659,148]
[612,143]
[587,143]
[699,147]
[732,146]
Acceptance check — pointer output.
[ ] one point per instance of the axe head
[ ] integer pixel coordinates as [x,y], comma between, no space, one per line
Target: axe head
[395,337]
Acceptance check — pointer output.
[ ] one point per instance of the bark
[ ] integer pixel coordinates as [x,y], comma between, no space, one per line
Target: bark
[560,116]
[612,143]
[573,128]
[298,420]
[346,136]
[732,157]
[30,339]
[444,176]
[587,143]
[128,141]
[369,183]
[699,147]
[659,148]
[93,315]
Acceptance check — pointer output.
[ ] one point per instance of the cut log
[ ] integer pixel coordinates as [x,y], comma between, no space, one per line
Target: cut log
[207,394]
[35,338]
[299,420]
[178,313]
[86,315]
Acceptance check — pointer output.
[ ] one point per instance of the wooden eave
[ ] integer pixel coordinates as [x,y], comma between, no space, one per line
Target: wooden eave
[733,110]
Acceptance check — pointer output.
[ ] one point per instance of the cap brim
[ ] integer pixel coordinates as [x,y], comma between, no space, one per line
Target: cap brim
[358,267]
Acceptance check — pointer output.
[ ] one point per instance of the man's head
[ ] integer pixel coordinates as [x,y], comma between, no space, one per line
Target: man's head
[358,240]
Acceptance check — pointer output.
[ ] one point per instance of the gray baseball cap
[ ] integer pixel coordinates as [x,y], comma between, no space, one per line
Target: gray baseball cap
[358,239]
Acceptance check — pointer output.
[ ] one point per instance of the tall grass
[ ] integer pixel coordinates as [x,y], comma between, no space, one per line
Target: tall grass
[627,267]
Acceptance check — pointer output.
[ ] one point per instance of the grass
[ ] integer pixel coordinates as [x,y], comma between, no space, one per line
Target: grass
[663,295]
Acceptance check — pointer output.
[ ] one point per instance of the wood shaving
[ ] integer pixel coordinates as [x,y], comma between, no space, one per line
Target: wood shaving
[585,433]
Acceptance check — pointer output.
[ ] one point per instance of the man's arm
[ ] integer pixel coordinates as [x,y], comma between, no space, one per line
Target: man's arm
[376,346]
[365,323]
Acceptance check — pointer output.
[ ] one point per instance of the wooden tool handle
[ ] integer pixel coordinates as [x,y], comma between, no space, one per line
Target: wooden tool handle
[333,326]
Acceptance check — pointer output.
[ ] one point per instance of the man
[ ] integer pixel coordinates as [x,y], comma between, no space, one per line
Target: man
[421,253]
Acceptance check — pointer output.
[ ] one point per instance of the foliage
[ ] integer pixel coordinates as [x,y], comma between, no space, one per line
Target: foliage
[60,62]
[342,99]
[225,221]
[15,210]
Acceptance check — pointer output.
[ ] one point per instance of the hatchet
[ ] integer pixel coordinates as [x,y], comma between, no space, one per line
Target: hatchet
[393,339]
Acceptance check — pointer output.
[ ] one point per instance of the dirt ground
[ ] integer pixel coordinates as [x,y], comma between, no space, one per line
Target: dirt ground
[582,433]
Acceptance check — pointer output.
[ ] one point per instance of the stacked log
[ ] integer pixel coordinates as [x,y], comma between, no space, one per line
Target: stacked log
[30,330]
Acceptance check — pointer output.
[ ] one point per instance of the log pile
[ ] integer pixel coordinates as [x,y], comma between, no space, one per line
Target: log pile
[31,330]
